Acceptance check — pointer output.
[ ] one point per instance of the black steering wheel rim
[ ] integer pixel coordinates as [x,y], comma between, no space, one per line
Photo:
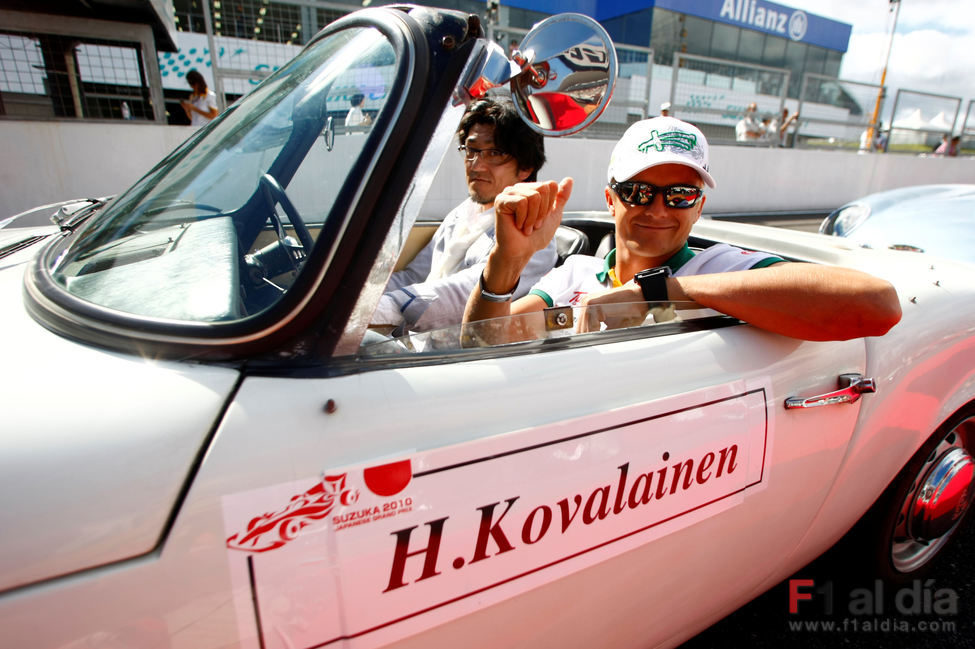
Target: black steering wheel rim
[277,196]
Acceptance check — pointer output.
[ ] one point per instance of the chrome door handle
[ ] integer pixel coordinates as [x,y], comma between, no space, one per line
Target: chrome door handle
[851,387]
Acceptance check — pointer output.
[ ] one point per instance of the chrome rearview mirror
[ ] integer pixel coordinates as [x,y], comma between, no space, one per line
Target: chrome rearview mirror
[566,70]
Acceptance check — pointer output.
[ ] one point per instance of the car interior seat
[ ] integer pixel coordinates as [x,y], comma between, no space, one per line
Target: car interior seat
[607,243]
[569,241]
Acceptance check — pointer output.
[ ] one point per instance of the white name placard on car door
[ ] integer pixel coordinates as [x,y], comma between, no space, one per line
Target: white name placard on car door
[367,554]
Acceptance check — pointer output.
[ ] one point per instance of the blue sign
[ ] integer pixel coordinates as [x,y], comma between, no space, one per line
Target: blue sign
[770,18]
[588,7]
[759,15]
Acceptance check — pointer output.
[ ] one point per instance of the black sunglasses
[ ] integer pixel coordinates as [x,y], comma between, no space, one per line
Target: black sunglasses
[679,197]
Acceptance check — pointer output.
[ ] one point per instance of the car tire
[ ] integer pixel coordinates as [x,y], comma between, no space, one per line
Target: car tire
[914,520]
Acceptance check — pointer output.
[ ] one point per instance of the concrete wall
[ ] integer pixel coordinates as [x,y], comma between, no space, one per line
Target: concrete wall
[748,179]
[44,162]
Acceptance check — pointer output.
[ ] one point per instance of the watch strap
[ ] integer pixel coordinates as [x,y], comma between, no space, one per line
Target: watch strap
[496,297]
[653,283]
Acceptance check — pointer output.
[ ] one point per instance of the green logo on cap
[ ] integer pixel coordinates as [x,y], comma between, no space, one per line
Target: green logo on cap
[675,139]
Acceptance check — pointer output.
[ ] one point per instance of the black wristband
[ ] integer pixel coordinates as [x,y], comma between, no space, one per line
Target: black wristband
[653,283]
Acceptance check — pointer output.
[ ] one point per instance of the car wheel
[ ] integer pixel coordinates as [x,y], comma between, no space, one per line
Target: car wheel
[926,503]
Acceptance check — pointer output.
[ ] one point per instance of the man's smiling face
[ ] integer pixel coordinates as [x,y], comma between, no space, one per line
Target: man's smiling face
[655,231]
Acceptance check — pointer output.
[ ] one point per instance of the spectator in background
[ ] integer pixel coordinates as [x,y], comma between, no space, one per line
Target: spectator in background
[201,107]
[665,109]
[942,144]
[955,147]
[779,129]
[768,136]
[880,139]
[749,129]
[948,147]
[868,143]
[355,116]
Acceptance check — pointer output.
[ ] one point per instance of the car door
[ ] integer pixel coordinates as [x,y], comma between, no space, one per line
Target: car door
[599,476]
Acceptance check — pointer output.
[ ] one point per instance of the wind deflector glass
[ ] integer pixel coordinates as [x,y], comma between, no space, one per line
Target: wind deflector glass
[220,230]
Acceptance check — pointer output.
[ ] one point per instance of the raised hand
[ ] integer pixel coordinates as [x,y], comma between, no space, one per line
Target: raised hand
[527,215]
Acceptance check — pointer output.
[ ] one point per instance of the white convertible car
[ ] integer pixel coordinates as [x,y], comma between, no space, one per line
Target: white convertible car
[199,451]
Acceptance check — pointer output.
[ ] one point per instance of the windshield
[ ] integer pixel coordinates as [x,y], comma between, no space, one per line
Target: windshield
[221,228]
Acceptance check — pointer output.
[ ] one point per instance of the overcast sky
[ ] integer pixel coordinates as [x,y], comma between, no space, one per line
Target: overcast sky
[933,51]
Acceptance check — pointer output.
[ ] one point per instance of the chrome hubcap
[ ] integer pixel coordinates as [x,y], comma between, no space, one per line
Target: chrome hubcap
[943,489]
[943,496]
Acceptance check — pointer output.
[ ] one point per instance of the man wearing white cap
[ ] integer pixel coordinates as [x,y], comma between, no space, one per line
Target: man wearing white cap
[655,193]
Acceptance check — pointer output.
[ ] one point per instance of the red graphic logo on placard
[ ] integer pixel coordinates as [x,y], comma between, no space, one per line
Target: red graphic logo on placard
[273,530]
[388,479]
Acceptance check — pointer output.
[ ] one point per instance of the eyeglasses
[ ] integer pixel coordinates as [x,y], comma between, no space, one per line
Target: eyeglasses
[680,197]
[491,157]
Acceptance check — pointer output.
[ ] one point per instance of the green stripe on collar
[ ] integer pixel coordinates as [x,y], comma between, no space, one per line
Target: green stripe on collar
[680,258]
[676,261]
[608,263]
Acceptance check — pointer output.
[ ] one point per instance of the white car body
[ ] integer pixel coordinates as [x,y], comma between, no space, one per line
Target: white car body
[938,220]
[531,495]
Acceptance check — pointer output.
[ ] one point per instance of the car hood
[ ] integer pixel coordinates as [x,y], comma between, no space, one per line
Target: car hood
[18,245]
[96,447]
[940,222]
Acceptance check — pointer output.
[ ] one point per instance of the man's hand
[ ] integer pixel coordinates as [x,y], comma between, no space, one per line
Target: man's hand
[618,307]
[526,216]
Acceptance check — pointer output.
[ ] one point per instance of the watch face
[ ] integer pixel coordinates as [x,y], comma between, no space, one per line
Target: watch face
[654,272]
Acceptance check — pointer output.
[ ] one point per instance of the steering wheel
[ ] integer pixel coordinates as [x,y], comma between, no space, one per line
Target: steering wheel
[276,196]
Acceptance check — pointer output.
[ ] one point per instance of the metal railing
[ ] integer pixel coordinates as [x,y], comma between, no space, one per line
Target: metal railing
[714,93]
[920,120]
[968,130]
[86,69]
[256,38]
[832,113]
[77,69]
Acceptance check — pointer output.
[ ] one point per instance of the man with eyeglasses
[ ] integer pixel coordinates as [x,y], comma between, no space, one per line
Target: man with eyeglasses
[498,150]
[655,193]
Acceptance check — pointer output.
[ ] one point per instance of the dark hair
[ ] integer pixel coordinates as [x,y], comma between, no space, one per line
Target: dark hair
[356,99]
[193,77]
[511,134]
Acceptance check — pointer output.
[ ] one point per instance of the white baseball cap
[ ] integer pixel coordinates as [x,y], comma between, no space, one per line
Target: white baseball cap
[659,141]
[665,106]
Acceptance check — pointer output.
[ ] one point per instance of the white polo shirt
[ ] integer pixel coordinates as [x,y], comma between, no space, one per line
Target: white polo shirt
[584,274]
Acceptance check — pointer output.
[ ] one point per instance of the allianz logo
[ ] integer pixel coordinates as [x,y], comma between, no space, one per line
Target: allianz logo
[762,16]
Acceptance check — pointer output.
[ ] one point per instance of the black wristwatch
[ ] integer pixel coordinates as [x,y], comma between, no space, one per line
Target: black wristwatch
[653,283]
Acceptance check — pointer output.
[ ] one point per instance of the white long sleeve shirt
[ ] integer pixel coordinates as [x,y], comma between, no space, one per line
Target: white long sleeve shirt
[432,291]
